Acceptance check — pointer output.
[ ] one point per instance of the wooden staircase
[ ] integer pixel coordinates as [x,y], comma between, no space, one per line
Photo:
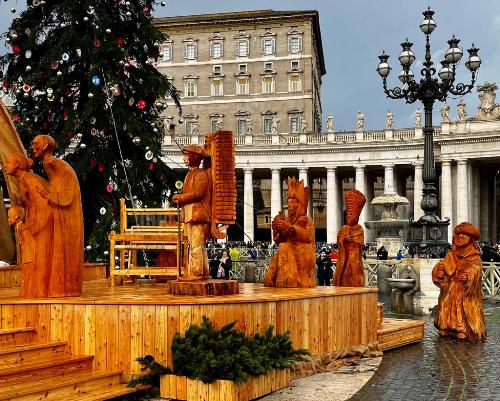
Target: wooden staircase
[32,371]
[393,333]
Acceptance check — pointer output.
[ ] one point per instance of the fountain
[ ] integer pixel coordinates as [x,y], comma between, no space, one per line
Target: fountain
[405,289]
[390,223]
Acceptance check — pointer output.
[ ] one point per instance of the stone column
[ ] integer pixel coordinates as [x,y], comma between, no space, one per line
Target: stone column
[484,209]
[418,186]
[304,176]
[359,184]
[276,204]
[462,192]
[389,179]
[447,195]
[332,205]
[248,207]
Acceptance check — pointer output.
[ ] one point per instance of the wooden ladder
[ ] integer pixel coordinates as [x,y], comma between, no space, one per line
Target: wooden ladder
[30,370]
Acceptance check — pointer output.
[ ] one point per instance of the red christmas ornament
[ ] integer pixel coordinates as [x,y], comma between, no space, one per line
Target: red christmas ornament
[141,104]
[96,43]
[109,187]
[146,10]
[16,117]
[16,49]
[101,167]
[6,84]
[65,115]
[119,41]
[70,134]
[151,167]
[68,92]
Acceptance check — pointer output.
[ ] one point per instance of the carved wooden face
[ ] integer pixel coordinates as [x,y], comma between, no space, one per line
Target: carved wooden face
[295,207]
[461,240]
[11,165]
[192,159]
[38,146]
[352,217]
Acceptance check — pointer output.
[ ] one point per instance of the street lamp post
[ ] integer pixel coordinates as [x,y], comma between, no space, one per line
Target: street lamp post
[430,232]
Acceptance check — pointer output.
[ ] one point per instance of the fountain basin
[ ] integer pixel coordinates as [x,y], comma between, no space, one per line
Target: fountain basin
[401,283]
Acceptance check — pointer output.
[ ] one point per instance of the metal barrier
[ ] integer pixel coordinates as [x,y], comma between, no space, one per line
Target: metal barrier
[491,279]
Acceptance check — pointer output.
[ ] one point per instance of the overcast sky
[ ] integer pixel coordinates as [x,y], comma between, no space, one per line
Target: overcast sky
[354,32]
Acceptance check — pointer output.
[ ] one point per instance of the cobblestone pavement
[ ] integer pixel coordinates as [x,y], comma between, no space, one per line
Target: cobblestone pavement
[440,368]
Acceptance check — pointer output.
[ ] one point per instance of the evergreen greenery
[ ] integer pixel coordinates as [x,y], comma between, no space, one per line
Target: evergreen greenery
[83,71]
[152,372]
[209,354]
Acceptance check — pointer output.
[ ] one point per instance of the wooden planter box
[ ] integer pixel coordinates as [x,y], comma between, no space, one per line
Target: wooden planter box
[182,388]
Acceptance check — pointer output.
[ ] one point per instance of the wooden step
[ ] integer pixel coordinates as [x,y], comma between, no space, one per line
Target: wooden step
[33,352]
[66,387]
[37,370]
[107,393]
[398,332]
[16,336]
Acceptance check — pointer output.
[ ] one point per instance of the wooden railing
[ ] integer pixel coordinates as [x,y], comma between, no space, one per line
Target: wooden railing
[491,279]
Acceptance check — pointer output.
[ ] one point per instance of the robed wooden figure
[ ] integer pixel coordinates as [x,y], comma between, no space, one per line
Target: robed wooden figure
[294,263]
[460,311]
[350,241]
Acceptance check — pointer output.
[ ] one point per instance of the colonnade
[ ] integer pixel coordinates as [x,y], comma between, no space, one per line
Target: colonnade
[464,194]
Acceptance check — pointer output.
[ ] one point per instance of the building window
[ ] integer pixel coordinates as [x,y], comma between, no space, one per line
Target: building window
[295,65]
[216,87]
[268,66]
[166,52]
[190,51]
[190,88]
[268,85]
[294,44]
[213,124]
[295,83]
[216,49]
[242,68]
[217,69]
[295,124]
[267,219]
[190,126]
[242,47]
[242,126]
[267,124]
[268,46]
[242,86]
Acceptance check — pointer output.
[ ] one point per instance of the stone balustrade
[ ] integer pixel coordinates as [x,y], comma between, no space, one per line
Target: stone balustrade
[405,134]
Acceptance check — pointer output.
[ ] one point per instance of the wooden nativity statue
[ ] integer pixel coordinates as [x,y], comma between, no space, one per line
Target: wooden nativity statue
[350,241]
[460,311]
[208,198]
[50,227]
[294,263]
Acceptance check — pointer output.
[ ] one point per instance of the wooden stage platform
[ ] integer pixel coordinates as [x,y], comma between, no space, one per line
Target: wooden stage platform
[118,324]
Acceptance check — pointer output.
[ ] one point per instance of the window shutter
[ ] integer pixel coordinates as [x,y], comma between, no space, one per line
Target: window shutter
[263,46]
[185,51]
[300,43]
[221,49]
[211,47]
[274,45]
[289,44]
[195,50]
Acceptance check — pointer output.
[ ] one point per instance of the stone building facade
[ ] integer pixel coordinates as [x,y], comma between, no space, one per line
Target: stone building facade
[250,72]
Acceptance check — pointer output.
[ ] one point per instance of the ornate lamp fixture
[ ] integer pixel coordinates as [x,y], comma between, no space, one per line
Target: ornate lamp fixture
[429,228]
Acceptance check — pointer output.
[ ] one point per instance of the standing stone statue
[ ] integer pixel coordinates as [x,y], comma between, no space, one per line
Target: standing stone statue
[462,113]
[249,127]
[390,120]
[350,241]
[329,123]
[445,109]
[460,311]
[294,263]
[360,124]
[274,125]
[418,118]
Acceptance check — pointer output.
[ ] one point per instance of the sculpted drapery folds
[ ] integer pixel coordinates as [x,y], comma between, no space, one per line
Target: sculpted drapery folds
[350,241]
[293,264]
[196,202]
[63,197]
[34,226]
[460,311]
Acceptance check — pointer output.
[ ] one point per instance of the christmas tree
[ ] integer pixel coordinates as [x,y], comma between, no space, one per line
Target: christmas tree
[83,71]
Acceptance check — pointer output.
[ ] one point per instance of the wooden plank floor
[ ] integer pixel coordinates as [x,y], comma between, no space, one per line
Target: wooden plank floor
[100,293]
